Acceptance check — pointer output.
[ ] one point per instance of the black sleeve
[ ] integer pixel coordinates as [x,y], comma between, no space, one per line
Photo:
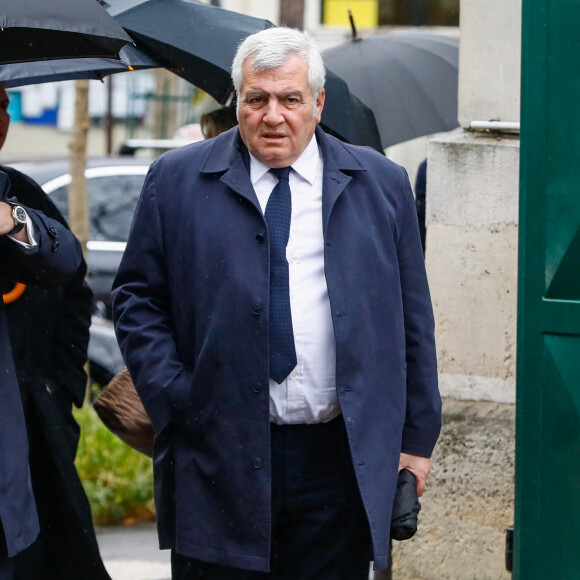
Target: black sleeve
[70,332]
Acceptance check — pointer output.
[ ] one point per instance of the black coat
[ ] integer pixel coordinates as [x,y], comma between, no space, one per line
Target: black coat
[420,199]
[57,257]
[49,329]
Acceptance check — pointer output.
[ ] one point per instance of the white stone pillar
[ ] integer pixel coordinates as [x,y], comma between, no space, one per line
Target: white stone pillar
[472,211]
[489,61]
[471,255]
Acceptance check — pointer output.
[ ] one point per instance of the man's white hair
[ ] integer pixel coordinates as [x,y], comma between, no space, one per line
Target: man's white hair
[272,47]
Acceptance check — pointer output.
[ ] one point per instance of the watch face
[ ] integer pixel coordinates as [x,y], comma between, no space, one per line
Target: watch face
[19,214]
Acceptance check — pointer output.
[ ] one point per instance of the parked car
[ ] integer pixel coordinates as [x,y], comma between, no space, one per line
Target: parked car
[113,188]
[105,359]
[150,146]
[183,136]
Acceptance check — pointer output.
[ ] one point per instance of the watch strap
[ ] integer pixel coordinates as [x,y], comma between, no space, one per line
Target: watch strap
[18,223]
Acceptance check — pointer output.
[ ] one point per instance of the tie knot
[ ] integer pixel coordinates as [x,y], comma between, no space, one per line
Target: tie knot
[282,173]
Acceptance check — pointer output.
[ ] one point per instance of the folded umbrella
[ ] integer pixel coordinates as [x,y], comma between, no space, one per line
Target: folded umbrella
[406,507]
[51,29]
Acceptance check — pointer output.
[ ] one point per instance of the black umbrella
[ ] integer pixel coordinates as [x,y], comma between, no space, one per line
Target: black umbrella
[51,29]
[198,42]
[408,79]
[45,71]
[406,507]
[346,117]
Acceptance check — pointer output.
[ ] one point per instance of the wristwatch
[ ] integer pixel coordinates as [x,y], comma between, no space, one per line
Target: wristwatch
[19,216]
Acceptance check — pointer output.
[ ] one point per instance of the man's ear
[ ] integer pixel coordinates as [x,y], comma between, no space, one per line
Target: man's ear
[320,105]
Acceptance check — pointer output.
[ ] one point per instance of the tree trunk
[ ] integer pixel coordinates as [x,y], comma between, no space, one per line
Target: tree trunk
[165,116]
[78,204]
[77,192]
[292,13]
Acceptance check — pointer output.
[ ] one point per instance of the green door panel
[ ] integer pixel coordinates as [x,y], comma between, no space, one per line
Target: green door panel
[547,526]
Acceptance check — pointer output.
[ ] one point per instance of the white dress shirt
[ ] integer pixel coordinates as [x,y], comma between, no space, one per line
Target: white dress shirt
[308,395]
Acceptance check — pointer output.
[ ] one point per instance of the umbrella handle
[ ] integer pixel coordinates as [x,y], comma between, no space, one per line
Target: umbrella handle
[14,294]
[352,26]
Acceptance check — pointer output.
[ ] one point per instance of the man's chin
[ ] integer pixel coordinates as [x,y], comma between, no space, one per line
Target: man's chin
[274,157]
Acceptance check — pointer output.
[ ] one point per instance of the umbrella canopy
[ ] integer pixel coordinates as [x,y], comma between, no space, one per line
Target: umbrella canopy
[346,117]
[198,42]
[51,29]
[46,71]
[408,79]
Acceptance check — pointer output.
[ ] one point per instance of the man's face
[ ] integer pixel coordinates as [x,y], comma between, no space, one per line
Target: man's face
[4,116]
[277,112]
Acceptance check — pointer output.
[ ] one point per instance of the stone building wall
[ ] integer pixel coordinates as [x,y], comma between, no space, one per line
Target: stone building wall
[471,257]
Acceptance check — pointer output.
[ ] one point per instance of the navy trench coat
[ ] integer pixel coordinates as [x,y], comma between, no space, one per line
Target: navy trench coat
[58,258]
[191,311]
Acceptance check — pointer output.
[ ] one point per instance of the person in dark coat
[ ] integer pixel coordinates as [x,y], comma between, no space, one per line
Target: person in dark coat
[273,310]
[421,199]
[34,250]
[49,331]
[49,356]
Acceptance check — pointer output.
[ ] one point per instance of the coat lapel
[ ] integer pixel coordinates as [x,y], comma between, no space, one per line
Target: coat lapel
[230,157]
[337,159]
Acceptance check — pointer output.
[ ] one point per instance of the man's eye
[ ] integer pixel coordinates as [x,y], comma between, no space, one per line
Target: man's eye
[293,100]
[254,100]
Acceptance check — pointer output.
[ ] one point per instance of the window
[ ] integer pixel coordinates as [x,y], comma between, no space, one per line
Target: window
[373,13]
[419,12]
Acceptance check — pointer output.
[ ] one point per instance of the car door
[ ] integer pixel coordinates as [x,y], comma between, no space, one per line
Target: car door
[112,192]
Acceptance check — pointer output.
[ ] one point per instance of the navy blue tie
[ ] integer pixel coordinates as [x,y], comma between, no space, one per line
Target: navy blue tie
[277,214]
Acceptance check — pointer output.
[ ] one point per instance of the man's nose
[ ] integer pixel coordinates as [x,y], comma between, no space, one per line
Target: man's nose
[273,113]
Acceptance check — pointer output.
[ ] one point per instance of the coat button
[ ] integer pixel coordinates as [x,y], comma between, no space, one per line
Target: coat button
[257,388]
[260,238]
[257,463]
[52,231]
[257,309]
[54,247]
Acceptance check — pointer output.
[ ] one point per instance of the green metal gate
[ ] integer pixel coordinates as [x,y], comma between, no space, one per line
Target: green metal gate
[547,538]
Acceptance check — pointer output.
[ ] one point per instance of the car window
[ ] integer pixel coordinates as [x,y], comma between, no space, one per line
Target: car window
[112,202]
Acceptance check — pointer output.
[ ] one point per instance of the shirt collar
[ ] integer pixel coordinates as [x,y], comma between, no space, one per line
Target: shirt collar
[305,165]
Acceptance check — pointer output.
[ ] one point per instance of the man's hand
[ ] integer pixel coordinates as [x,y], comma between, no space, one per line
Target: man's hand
[418,466]
[7,223]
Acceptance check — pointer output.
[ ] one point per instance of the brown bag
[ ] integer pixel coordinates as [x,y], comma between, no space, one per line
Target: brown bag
[121,410]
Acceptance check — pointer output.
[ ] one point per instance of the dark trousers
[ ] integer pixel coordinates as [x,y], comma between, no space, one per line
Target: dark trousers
[66,547]
[320,529]
[5,563]
[5,569]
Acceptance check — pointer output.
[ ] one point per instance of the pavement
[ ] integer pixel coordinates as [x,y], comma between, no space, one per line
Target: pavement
[132,553]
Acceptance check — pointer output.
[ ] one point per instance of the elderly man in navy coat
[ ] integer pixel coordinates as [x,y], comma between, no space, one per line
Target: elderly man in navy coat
[33,249]
[273,310]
